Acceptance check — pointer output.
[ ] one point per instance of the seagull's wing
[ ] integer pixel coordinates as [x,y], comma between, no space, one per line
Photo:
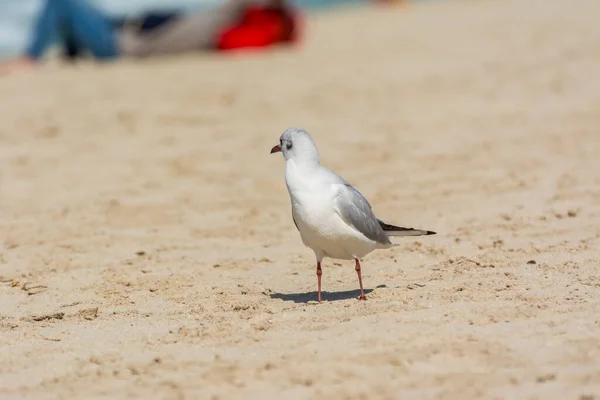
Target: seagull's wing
[356,211]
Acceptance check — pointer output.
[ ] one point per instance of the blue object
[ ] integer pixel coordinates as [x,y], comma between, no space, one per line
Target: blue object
[76,23]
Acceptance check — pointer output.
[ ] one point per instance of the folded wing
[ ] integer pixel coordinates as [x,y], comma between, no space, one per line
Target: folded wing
[356,211]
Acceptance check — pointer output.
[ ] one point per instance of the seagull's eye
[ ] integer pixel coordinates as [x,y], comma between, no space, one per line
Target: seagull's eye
[280,142]
[288,146]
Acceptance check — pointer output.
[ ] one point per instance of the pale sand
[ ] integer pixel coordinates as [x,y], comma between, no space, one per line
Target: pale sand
[477,119]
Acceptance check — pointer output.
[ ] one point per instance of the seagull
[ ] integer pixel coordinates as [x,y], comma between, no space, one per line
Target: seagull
[333,218]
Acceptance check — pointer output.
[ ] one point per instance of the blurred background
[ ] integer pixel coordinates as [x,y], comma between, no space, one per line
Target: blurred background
[146,244]
[18,16]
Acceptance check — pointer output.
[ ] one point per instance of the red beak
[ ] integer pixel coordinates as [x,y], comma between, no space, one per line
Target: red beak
[275,149]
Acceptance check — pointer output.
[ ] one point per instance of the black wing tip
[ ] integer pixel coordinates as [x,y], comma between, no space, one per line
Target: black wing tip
[393,228]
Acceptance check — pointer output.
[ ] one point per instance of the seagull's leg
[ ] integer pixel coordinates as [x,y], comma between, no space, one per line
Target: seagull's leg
[362,292]
[319,273]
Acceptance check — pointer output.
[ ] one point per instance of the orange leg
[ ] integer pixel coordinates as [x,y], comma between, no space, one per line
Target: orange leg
[319,273]
[362,292]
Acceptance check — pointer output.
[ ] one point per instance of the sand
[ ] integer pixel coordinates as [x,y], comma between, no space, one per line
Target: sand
[148,249]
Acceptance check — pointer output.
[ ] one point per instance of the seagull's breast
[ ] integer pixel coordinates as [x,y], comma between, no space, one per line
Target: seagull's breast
[312,196]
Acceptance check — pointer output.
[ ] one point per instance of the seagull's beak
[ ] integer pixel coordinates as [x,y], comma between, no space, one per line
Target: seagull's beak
[275,149]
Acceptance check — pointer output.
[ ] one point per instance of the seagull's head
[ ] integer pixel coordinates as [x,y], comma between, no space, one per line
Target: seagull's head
[297,144]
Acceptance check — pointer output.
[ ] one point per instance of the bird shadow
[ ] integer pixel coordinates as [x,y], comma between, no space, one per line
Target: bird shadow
[308,297]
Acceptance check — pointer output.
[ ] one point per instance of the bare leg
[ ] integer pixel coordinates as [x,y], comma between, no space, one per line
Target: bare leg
[362,292]
[319,273]
[18,65]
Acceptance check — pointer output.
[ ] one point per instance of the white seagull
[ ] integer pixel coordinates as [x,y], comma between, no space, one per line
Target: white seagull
[333,218]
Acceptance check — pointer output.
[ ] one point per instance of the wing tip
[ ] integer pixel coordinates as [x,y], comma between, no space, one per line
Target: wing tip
[431,233]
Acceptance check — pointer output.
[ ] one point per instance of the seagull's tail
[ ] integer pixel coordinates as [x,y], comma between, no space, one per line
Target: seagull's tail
[392,230]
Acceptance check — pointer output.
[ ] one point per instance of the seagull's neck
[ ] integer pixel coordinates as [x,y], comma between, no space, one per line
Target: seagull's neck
[299,173]
[306,163]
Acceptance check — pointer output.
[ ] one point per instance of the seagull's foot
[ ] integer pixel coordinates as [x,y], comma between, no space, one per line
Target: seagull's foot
[362,296]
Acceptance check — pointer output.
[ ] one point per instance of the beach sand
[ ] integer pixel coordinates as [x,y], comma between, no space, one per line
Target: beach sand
[148,249]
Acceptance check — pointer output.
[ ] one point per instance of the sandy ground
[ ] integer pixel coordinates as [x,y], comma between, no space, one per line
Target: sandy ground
[148,249]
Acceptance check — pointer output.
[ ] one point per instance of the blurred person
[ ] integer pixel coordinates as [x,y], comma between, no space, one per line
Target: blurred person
[82,29]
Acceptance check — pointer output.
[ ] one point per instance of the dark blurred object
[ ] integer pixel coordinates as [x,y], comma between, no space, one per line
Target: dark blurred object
[154,20]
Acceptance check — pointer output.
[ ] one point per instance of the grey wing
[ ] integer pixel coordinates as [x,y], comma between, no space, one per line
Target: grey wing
[356,211]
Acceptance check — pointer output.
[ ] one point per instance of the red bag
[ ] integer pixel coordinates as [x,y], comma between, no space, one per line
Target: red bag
[259,27]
